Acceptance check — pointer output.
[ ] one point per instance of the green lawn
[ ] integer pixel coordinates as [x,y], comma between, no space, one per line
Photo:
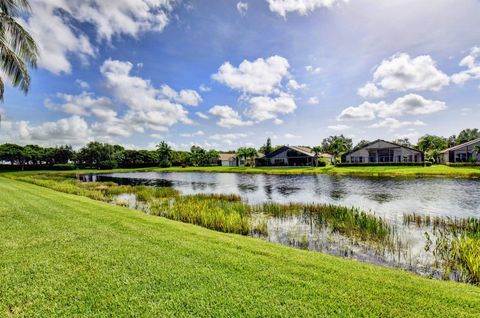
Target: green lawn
[398,171]
[436,170]
[64,255]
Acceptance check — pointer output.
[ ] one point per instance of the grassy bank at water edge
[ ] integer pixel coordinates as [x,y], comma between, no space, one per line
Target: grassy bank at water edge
[380,171]
[63,255]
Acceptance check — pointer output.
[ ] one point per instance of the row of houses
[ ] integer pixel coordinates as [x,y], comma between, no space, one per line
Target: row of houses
[378,151]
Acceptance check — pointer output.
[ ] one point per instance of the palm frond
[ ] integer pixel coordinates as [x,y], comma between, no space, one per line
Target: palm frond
[2,89]
[19,39]
[13,66]
[14,7]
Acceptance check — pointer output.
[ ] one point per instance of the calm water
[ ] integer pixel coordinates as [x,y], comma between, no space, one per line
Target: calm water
[386,197]
[389,198]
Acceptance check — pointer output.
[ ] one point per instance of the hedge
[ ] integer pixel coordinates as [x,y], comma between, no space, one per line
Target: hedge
[463,164]
[379,164]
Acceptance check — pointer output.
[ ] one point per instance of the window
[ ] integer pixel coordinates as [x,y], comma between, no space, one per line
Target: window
[385,155]
[461,157]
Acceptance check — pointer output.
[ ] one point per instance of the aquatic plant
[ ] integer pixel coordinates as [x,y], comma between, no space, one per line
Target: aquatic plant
[469,224]
[216,214]
[344,220]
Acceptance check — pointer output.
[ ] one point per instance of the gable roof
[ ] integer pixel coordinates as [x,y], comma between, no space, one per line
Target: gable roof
[465,144]
[380,140]
[303,150]
[226,156]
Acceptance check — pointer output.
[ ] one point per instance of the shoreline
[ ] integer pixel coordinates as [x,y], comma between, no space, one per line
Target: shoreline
[435,171]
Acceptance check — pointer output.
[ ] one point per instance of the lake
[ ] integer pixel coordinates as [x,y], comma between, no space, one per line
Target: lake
[389,197]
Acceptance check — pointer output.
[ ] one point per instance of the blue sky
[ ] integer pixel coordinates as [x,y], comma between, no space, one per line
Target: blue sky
[225,74]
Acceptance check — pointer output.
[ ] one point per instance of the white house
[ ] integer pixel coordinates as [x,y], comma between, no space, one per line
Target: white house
[382,151]
[461,153]
[229,160]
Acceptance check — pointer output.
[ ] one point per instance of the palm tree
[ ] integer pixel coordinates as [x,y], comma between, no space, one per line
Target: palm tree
[246,153]
[252,153]
[18,50]
[317,150]
[165,153]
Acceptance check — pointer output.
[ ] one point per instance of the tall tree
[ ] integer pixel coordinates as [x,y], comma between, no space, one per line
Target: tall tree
[432,142]
[403,142]
[267,148]
[18,50]
[361,143]
[467,135]
[432,145]
[165,154]
[452,141]
[336,145]
[317,150]
[12,153]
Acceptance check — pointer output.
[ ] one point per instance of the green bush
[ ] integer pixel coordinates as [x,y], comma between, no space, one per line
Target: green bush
[64,166]
[379,164]
[464,164]
[108,164]
[165,163]
[321,163]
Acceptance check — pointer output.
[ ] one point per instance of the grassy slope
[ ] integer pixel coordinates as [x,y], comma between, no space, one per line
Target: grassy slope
[67,255]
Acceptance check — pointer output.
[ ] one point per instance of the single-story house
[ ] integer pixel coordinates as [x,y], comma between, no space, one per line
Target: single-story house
[382,151]
[230,160]
[290,156]
[460,153]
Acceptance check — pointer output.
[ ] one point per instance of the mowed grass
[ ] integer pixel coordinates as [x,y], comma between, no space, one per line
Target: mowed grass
[66,255]
[380,171]
[435,170]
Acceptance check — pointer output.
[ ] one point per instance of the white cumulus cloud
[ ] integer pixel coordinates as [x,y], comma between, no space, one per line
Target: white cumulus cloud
[228,117]
[393,123]
[262,76]
[264,107]
[473,67]
[402,73]
[147,106]
[411,104]
[302,7]
[54,25]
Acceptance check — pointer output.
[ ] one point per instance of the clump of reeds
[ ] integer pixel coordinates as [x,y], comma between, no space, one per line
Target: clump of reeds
[219,196]
[348,221]
[456,224]
[216,214]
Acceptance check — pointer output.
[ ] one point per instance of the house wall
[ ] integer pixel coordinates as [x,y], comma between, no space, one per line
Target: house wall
[282,158]
[463,154]
[400,154]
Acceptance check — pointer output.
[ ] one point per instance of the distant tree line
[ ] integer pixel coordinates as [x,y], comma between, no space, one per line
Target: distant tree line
[106,156]
[103,156]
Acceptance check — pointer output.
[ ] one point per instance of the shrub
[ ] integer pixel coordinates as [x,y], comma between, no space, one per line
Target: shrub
[64,166]
[321,163]
[464,164]
[375,164]
[108,164]
[165,163]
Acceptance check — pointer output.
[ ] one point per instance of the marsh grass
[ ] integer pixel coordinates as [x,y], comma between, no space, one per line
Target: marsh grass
[212,212]
[347,221]
[452,223]
[455,245]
